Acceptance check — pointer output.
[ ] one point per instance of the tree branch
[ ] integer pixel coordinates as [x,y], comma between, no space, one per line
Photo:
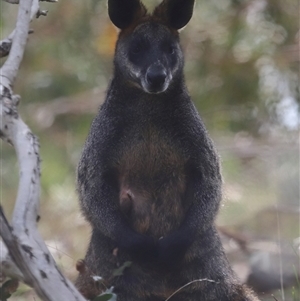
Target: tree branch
[6,44]
[33,261]
[17,1]
[26,247]
[8,267]
[12,1]
[11,66]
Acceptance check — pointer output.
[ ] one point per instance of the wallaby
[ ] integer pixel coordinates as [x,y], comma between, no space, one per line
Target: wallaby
[149,179]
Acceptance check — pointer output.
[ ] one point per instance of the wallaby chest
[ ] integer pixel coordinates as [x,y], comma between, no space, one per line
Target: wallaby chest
[152,181]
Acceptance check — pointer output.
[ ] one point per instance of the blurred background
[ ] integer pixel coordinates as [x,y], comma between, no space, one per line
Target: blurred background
[242,71]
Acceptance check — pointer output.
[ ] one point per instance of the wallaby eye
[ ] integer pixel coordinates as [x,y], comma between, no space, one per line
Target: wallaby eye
[136,49]
[138,46]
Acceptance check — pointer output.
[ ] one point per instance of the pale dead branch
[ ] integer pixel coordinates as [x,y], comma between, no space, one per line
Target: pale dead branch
[28,258]
[12,1]
[5,44]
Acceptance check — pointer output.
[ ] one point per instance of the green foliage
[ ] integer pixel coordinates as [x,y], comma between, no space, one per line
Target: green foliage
[108,295]
[120,270]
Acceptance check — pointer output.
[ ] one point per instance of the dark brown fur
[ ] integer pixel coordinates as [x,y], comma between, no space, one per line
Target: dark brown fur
[152,200]
[149,177]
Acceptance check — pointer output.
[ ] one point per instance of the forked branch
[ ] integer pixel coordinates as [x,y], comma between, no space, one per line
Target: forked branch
[5,44]
[28,258]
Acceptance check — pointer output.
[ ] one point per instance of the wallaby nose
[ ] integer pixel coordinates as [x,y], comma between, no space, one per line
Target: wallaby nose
[156,77]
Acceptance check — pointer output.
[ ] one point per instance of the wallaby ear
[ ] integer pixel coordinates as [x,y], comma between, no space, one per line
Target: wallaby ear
[175,13]
[123,12]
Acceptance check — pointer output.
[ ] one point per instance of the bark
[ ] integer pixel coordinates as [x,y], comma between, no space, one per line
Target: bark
[25,255]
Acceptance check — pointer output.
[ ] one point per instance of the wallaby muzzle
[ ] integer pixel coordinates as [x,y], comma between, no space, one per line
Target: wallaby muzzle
[156,79]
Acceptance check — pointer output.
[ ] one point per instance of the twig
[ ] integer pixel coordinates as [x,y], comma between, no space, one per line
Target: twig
[194,281]
[12,1]
[280,255]
[11,66]
[17,1]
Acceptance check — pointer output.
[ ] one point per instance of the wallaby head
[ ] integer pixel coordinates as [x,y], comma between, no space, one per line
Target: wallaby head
[148,53]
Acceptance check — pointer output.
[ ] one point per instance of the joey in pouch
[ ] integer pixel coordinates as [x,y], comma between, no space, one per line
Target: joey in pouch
[149,178]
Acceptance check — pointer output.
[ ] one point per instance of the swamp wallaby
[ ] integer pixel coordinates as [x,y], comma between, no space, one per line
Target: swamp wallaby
[149,180]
